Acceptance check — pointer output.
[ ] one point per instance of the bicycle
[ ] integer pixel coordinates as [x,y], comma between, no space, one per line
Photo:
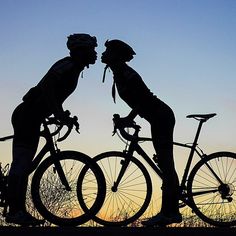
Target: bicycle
[209,188]
[54,187]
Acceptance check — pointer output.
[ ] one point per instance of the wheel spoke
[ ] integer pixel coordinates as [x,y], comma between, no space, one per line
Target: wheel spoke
[132,196]
[214,201]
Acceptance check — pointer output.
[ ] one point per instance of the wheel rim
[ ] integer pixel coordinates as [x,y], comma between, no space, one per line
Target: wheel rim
[60,206]
[217,205]
[126,203]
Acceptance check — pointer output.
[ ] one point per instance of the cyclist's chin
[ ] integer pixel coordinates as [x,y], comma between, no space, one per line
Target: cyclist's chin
[103,60]
[92,61]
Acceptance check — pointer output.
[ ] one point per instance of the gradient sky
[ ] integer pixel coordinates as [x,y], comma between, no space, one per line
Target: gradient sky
[186,54]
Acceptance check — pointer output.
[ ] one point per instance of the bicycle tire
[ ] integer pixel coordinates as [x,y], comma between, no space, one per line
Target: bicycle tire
[54,202]
[218,207]
[132,198]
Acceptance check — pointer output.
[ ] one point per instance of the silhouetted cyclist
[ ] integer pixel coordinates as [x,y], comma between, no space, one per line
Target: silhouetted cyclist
[144,103]
[41,101]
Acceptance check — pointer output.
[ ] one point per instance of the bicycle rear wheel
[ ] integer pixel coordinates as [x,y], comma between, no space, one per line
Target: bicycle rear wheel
[213,198]
[128,202]
[58,205]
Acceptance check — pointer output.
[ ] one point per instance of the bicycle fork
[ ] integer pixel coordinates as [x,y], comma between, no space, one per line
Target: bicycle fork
[124,165]
[55,152]
[60,171]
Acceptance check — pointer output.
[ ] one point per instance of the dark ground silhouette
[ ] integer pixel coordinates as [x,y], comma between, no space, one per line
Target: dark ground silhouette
[110,231]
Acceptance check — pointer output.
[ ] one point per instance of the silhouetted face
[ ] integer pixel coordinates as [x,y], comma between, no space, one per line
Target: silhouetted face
[109,56]
[86,55]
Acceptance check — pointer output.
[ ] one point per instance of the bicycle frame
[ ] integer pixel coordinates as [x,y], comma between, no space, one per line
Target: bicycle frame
[135,147]
[48,147]
[54,151]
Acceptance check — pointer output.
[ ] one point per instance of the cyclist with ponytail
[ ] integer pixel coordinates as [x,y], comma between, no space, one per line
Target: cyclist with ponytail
[132,89]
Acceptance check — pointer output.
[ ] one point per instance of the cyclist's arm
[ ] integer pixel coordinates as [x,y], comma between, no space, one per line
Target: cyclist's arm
[49,93]
[139,95]
[136,89]
[133,113]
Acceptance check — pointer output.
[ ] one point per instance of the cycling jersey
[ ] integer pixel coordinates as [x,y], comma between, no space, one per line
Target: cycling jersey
[43,100]
[135,93]
[58,83]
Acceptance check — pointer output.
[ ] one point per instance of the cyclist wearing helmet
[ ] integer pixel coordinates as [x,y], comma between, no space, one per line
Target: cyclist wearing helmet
[41,101]
[144,103]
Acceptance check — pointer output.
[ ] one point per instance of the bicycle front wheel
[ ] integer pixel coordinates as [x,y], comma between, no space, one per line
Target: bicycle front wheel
[126,203]
[212,189]
[58,204]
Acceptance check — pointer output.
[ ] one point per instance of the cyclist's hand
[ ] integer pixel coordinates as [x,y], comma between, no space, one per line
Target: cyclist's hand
[72,122]
[66,119]
[122,122]
[63,116]
[126,122]
[75,123]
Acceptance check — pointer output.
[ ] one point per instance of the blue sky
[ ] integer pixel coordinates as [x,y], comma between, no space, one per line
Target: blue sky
[186,54]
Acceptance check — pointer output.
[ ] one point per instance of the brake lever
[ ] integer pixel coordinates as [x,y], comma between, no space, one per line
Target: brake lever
[115,119]
[76,124]
[114,130]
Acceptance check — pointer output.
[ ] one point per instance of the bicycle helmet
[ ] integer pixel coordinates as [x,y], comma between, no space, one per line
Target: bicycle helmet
[123,50]
[80,40]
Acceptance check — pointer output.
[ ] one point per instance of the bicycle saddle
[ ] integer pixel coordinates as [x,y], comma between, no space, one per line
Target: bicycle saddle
[202,116]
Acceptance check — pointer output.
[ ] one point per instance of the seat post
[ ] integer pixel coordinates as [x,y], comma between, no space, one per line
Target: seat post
[192,152]
[198,132]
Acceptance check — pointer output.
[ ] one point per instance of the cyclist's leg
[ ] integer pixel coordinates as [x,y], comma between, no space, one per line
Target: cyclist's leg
[17,188]
[170,186]
[25,142]
[162,134]
[18,178]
